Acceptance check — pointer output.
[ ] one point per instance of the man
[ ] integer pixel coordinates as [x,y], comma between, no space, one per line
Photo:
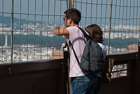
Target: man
[83,82]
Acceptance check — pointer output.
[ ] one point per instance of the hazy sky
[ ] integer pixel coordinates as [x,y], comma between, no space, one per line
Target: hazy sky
[31,7]
[53,10]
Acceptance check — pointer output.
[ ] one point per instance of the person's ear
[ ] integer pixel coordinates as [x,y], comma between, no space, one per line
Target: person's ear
[70,20]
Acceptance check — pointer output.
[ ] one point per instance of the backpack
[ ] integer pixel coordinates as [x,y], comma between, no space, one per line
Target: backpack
[92,59]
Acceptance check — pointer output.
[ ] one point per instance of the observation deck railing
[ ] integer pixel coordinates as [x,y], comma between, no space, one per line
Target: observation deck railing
[51,76]
[119,20]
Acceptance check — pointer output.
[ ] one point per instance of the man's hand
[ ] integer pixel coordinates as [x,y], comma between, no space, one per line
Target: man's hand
[56,30]
[60,31]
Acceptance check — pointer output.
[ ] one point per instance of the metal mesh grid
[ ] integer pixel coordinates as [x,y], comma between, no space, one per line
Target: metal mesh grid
[26,26]
[26,30]
[119,20]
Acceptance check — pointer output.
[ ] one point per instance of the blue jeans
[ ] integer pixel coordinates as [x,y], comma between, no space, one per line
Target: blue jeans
[88,84]
[99,85]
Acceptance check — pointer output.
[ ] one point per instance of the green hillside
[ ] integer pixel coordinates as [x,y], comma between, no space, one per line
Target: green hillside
[33,40]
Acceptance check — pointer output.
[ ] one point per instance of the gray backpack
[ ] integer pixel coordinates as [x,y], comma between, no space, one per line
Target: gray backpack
[92,59]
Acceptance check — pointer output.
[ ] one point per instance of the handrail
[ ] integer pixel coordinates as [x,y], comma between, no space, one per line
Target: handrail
[20,68]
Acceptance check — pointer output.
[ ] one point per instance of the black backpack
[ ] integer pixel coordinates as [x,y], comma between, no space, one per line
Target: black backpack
[92,59]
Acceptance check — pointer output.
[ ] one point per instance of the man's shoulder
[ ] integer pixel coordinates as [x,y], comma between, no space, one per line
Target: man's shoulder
[73,27]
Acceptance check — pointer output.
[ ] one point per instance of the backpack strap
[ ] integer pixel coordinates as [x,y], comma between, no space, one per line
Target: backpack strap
[74,53]
[70,44]
[87,35]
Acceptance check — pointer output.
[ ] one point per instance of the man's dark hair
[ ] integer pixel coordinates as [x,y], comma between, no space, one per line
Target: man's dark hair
[95,32]
[74,14]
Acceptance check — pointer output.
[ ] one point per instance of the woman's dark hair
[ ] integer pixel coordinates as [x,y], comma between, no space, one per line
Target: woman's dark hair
[95,32]
[74,14]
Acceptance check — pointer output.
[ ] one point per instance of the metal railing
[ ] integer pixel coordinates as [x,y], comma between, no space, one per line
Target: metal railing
[28,22]
[119,20]
[26,29]
[26,26]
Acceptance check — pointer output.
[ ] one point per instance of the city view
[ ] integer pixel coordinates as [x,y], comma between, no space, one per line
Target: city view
[37,41]
[33,59]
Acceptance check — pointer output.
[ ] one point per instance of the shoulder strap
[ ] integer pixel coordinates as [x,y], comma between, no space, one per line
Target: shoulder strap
[85,34]
[88,36]
[74,53]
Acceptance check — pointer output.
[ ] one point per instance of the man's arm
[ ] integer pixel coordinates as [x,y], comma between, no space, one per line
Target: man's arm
[60,31]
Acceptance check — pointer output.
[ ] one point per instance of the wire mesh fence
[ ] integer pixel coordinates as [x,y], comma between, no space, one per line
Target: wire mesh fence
[118,19]
[26,29]
[26,26]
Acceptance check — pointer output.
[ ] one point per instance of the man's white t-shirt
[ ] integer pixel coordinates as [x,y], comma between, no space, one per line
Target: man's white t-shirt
[78,41]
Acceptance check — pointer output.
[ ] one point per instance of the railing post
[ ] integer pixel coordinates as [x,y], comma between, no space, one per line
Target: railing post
[138,70]
[139,26]
[110,27]
[134,73]
[68,80]
[12,23]
[71,3]
[66,4]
